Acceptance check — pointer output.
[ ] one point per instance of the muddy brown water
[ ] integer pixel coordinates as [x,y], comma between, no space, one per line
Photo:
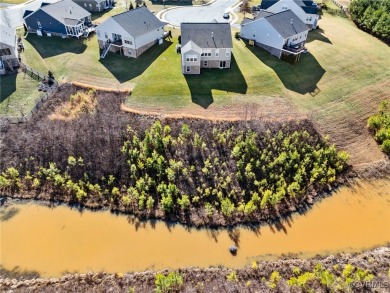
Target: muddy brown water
[53,241]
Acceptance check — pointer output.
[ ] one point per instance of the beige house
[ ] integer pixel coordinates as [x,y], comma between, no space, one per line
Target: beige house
[130,33]
[205,45]
[8,49]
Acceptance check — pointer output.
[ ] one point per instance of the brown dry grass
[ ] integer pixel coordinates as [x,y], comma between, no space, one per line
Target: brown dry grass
[79,103]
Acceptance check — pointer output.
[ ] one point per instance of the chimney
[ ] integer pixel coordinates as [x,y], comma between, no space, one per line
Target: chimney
[212,34]
[291,21]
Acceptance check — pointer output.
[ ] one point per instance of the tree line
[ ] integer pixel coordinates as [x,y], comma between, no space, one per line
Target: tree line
[372,16]
[226,170]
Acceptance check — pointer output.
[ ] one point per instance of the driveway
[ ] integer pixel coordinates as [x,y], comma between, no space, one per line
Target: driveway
[13,15]
[206,13]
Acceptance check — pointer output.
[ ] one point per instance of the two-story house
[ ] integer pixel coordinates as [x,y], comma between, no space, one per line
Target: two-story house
[282,34]
[63,18]
[8,48]
[95,5]
[131,33]
[205,45]
[306,10]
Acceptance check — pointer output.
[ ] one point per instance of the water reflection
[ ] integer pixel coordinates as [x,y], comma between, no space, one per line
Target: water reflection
[54,240]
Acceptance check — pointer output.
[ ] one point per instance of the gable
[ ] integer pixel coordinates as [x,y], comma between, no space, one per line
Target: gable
[111,26]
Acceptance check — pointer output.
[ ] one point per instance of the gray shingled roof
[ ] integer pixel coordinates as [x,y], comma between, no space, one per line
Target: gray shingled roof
[207,35]
[7,35]
[65,10]
[307,5]
[138,21]
[287,23]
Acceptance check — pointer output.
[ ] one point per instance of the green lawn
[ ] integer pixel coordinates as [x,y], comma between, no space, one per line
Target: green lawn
[341,60]
[19,93]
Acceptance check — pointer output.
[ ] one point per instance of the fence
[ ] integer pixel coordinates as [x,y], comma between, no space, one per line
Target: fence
[50,91]
[33,73]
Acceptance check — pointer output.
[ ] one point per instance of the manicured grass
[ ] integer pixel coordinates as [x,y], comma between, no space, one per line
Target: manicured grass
[341,60]
[19,93]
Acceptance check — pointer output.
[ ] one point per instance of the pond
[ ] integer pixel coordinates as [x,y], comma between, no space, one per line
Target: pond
[56,240]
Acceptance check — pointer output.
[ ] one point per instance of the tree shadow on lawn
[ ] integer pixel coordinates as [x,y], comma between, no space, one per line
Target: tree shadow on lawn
[317,35]
[126,68]
[301,78]
[53,46]
[7,86]
[229,80]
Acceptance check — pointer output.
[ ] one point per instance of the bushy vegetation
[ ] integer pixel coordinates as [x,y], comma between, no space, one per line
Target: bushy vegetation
[227,170]
[338,279]
[168,284]
[373,16]
[379,124]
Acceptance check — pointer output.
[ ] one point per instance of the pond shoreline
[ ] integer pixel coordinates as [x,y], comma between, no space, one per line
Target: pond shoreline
[379,170]
[248,279]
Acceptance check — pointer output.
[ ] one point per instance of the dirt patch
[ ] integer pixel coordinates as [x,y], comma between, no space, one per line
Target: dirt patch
[254,278]
[270,109]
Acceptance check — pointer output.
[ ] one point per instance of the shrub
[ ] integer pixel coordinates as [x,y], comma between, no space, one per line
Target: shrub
[170,283]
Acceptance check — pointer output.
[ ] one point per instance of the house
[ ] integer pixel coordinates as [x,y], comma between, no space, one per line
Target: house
[95,5]
[130,33]
[8,48]
[282,34]
[306,10]
[63,18]
[205,45]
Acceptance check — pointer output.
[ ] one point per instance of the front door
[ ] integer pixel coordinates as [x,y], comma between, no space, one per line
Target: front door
[222,64]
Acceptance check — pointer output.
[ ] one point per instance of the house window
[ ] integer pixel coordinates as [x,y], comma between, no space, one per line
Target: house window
[128,41]
[205,63]
[90,6]
[85,4]
[206,53]
[216,53]
[39,24]
[191,58]
[188,68]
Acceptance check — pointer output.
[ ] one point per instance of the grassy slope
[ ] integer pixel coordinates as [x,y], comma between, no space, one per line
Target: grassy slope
[331,83]
[12,101]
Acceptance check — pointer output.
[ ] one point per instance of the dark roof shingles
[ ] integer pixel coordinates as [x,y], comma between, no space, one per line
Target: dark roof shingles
[138,21]
[207,35]
[287,23]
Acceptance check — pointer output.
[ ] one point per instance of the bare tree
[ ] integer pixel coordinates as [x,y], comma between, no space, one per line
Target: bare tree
[245,7]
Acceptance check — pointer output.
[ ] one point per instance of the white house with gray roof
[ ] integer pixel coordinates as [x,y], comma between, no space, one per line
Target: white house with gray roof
[205,45]
[8,48]
[63,18]
[306,10]
[282,34]
[130,33]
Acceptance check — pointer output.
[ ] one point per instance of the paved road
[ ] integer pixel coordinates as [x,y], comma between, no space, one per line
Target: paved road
[207,13]
[13,16]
